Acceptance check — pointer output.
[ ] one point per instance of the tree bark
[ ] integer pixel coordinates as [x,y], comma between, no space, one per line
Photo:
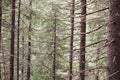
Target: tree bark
[12,40]
[82,41]
[0,24]
[23,48]
[18,35]
[72,12]
[29,44]
[0,72]
[113,53]
[54,47]
[0,35]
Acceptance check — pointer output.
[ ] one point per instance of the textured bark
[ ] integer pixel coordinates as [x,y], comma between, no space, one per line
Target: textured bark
[72,12]
[113,55]
[12,40]
[18,35]
[29,44]
[82,41]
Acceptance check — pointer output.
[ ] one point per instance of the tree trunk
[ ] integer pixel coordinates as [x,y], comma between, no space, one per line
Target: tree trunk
[12,40]
[23,48]
[0,72]
[113,55]
[82,41]
[18,34]
[72,12]
[0,35]
[54,51]
[0,23]
[29,44]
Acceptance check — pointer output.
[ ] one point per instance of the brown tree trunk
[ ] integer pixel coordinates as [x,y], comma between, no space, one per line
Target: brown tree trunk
[18,34]
[0,35]
[72,12]
[29,45]
[23,44]
[0,72]
[0,23]
[12,40]
[54,51]
[113,55]
[82,41]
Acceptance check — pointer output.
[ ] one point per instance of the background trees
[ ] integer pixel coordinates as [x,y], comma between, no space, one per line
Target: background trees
[57,39]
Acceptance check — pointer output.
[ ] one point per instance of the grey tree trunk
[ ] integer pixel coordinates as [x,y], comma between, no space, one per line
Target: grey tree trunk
[113,55]
[23,48]
[29,44]
[72,12]
[82,41]
[12,40]
[54,47]
[18,39]
[0,35]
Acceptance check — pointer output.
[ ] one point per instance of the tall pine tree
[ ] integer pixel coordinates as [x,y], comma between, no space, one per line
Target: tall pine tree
[113,58]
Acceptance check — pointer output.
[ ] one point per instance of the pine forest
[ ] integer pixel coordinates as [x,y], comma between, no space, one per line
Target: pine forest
[59,39]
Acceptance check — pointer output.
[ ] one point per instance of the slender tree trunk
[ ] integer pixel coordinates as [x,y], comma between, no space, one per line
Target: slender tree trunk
[18,34]
[22,70]
[0,72]
[54,52]
[29,45]
[0,24]
[113,56]
[82,41]
[71,40]
[12,40]
[0,35]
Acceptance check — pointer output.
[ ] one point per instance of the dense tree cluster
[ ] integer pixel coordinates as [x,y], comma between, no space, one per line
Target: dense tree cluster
[59,39]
